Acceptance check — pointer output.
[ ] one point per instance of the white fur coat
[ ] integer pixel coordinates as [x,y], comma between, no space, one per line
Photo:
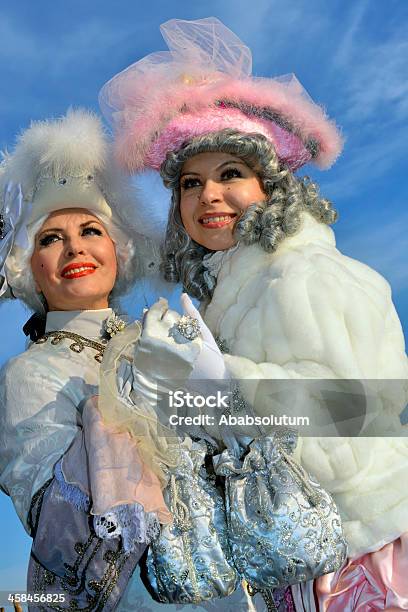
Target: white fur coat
[307,311]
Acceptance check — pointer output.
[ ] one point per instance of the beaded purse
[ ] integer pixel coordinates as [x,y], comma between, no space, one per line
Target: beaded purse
[191,561]
[283,527]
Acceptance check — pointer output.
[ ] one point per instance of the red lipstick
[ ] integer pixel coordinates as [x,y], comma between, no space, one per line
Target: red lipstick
[78,269]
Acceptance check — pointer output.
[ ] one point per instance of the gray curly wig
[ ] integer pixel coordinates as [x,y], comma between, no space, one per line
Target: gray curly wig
[130,267]
[266,223]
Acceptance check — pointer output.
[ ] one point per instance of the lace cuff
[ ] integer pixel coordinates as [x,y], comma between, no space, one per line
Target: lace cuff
[131,522]
[107,467]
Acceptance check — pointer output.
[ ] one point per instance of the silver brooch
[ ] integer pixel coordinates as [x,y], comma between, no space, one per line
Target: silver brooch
[189,327]
[114,325]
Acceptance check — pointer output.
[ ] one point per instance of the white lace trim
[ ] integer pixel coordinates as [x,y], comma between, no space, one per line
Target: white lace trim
[130,522]
[213,263]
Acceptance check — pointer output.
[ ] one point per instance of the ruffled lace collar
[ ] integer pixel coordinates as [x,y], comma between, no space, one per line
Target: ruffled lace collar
[88,323]
[213,263]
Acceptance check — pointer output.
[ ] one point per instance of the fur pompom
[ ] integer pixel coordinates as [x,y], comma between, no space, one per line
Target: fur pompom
[67,145]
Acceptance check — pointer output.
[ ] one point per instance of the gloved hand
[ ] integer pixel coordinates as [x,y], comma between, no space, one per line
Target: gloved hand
[164,361]
[209,377]
[162,358]
[162,353]
[210,362]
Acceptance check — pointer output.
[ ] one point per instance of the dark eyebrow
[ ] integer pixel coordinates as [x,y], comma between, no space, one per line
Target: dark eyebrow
[226,163]
[59,229]
[52,229]
[231,161]
[189,174]
[91,221]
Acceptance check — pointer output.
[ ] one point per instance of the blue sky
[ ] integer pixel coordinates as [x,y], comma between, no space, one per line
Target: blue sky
[350,56]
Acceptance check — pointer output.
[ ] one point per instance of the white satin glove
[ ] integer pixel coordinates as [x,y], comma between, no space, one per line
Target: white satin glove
[161,352]
[209,364]
[209,377]
[166,361]
[163,359]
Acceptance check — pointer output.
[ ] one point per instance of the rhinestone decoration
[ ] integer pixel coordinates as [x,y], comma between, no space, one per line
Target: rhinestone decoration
[222,344]
[2,226]
[189,327]
[114,325]
[238,404]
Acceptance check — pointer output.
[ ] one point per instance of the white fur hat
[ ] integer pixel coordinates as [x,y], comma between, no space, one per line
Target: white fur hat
[65,163]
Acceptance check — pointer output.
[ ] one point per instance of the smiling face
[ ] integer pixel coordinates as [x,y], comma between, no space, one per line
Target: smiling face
[74,261]
[215,189]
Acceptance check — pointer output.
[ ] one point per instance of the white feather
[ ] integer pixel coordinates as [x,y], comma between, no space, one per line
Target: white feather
[70,145]
[153,206]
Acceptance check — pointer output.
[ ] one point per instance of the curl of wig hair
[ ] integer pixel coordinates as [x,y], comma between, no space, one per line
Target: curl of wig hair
[21,279]
[265,223]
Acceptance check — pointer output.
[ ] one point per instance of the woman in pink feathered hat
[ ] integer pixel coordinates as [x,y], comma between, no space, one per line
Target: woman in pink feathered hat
[252,242]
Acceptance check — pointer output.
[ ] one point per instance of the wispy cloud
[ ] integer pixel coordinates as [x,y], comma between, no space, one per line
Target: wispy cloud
[18,43]
[381,242]
[280,33]
[45,73]
[347,43]
[379,83]
[81,45]
[365,163]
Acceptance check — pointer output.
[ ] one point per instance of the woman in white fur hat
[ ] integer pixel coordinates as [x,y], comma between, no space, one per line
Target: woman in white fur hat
[90,497]
[252,242]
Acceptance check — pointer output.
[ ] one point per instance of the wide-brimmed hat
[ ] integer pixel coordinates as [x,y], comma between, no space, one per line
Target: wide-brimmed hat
[203,84]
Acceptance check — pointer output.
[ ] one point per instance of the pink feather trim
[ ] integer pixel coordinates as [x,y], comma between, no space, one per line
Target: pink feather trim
[140,116]
[289,147]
